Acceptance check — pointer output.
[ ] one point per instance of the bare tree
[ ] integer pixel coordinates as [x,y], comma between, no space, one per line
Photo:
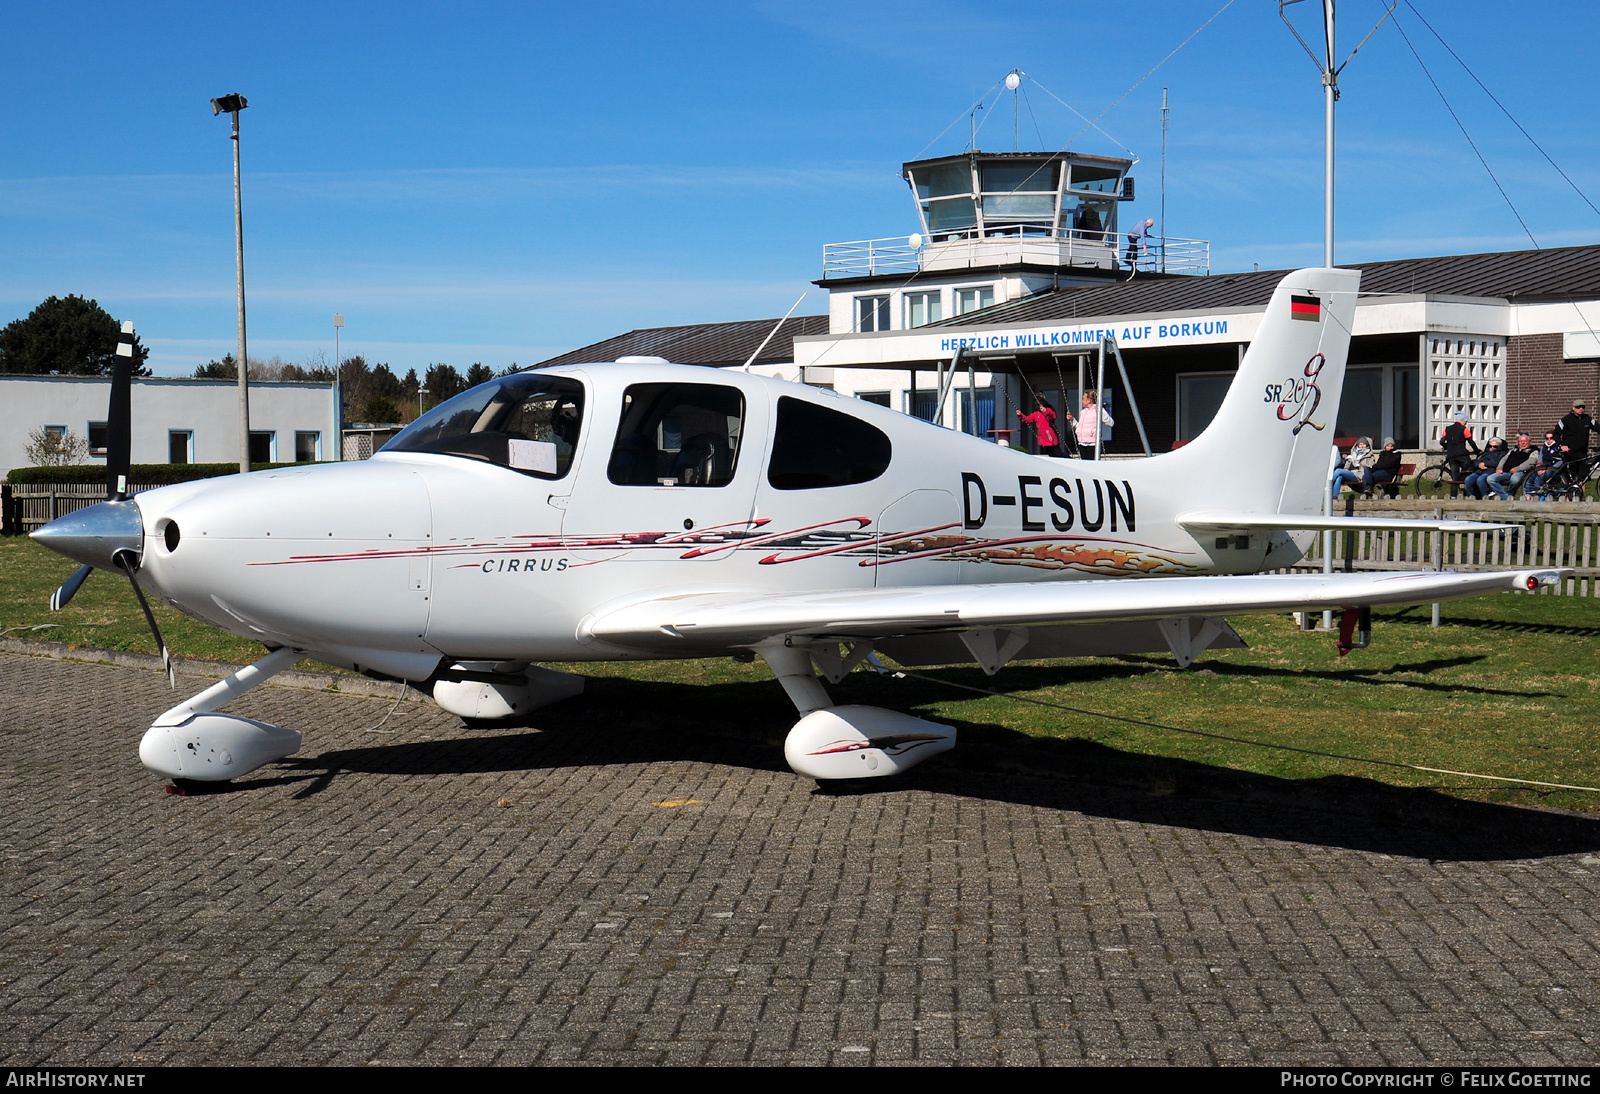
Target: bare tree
[55,448]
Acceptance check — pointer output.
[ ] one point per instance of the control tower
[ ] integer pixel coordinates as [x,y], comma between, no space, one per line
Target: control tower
[995,227]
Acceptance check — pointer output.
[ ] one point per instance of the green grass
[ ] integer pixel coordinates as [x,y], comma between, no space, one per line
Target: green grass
[1508,686]
[104,613]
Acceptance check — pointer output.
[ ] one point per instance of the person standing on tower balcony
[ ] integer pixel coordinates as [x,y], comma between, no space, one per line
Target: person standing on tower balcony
[1140,234]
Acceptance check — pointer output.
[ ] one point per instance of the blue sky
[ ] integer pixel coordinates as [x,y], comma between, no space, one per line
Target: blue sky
[503,183]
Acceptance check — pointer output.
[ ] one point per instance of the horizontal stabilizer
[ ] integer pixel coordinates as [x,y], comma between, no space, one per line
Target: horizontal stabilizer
[1226,521]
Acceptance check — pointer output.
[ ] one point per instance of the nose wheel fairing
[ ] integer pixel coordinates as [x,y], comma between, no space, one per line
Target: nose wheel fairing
[190,741]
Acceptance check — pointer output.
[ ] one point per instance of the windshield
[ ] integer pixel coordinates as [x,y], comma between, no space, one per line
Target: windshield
[528,422]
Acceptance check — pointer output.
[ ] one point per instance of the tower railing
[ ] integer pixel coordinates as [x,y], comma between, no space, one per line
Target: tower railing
[1093,247]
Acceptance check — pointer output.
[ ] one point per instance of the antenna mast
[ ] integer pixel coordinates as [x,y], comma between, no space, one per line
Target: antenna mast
[1330,91]
[1164,180]
[1330,95]
[1013,79]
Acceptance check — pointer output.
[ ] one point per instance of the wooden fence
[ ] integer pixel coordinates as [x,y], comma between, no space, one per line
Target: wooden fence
[35,504]
[1541,534]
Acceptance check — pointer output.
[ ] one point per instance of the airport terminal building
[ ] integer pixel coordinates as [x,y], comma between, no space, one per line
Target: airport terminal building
[1022,267]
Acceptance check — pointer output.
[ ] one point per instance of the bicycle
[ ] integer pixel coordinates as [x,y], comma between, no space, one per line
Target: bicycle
[1572,479]
[1434,478]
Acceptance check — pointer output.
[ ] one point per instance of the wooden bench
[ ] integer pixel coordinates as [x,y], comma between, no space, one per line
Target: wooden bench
[1391,490]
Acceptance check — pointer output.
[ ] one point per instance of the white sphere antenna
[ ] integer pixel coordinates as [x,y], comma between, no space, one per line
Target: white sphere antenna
[915,239]
[1012,80]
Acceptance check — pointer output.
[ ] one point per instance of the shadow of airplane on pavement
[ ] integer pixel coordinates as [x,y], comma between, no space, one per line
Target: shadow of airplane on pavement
[621,721]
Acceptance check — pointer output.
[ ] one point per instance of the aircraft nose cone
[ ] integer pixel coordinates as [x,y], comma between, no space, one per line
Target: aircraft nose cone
[95,534]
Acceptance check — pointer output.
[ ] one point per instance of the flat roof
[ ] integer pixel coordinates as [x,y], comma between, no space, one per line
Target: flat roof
[185,381]
[979,154]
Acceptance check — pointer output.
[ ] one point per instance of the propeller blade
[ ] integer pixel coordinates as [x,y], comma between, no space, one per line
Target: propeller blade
[69,588]
[149,616]
[119,418]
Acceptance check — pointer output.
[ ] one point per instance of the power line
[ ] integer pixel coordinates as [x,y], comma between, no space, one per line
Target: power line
[1456,118]
[1085,117]
[1032,116]
[976,103]
[1149,74]
[1467,68]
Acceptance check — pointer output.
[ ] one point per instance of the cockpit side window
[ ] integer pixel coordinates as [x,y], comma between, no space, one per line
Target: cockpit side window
[528,422]
[678,435]
[816,446]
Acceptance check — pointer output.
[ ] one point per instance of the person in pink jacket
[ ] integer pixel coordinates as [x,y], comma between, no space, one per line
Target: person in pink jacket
[1043,422]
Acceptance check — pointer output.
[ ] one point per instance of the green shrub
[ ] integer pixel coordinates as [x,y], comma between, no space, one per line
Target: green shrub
[140,474]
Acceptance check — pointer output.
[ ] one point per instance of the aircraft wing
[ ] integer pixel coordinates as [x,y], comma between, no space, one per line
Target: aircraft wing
[737,618]
[1227,521]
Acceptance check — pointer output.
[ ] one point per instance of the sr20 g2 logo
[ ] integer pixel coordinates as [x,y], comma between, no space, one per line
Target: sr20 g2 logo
[1299,396]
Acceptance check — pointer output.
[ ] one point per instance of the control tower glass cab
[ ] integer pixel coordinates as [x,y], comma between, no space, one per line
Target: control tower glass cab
[1001,208]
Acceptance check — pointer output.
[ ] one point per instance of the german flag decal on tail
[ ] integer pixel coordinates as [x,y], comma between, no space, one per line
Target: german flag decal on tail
[1306,307]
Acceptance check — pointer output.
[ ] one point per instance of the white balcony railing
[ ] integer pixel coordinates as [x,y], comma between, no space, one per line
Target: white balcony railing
[867,257]
[1078,247]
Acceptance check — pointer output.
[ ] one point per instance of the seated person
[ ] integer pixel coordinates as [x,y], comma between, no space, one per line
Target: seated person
[1487,463]
[1515,467]
[1550,461]
[1385,470]
[1354,465]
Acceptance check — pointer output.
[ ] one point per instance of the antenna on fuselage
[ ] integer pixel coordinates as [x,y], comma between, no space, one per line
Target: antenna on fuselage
[774,330]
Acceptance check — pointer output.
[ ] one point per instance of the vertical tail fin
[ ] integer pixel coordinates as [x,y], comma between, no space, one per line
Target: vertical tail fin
[1272,432]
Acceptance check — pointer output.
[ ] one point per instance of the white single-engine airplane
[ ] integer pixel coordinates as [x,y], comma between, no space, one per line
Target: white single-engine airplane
[640,510]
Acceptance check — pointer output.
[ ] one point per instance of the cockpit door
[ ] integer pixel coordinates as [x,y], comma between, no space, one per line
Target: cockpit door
[678,482]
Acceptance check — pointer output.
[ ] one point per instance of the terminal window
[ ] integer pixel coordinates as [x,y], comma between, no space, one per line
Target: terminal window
[307,447]
[923,307]
[872,313]
[969,300]
[180,446]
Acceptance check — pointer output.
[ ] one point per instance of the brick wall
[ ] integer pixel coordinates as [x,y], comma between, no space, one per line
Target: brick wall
[1540,385]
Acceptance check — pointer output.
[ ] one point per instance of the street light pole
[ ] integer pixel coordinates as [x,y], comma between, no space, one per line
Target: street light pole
[338,325]
[233,104]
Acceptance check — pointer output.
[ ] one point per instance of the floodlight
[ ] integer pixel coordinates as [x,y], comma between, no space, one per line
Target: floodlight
[228,103]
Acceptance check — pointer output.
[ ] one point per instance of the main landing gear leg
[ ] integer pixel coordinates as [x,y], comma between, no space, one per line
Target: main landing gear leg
[190,742]
[848,742]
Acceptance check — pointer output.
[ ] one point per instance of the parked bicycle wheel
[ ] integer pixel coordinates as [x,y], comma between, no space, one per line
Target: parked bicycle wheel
[1431,480]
